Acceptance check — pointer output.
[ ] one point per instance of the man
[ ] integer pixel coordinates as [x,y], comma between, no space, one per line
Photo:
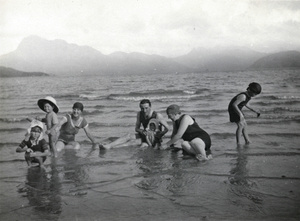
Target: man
[143,118]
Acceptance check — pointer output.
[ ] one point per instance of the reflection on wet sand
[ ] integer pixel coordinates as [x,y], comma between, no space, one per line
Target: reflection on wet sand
[241,185]
[43,191]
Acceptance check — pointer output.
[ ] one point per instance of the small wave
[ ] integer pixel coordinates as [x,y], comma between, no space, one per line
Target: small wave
[88,96]
[12,120]
[12,129]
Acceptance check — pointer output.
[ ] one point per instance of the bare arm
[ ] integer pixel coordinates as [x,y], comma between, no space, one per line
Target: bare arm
[40,154]
[89,135]
[164,123]
[138,124]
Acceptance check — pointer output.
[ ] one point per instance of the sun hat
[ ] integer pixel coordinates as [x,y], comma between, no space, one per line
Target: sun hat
[35,123]
[173,109]
[255,87]
[155,122]
[78,105]
[50,100]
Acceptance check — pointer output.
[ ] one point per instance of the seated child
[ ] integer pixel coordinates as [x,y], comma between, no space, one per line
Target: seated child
[151,138]
[35,147]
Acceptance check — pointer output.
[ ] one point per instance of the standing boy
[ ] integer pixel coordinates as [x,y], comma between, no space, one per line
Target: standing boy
[235,110]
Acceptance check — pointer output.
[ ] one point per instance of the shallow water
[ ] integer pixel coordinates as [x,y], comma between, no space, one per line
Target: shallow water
[255,182]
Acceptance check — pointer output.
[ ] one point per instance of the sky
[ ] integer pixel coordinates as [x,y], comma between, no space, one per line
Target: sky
[163,27]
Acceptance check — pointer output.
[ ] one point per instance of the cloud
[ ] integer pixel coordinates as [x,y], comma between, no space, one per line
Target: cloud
[162,27]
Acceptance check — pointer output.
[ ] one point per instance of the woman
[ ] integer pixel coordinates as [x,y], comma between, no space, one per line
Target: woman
[195,140]
[70,125]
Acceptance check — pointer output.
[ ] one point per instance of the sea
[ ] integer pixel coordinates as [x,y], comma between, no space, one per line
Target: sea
[259,181]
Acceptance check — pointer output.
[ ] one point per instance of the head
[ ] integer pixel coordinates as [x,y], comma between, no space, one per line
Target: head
[48,104]
[35,132]
[77,109]
[173,111]
[254,89]
[145,106]
[152,126]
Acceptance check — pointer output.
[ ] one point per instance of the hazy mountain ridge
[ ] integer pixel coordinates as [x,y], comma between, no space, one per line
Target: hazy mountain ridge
[10,72]
[35,54]
[278,60]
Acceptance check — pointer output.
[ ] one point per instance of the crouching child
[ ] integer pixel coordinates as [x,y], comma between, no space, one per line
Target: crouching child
[35,147]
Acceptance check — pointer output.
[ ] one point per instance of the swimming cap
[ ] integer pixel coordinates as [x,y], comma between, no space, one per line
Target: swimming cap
[255,87]
[173,109]
[78,105]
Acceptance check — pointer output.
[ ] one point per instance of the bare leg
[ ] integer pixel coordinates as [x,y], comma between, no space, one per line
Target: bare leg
[52,140]
[59,146]
[239,132]
[195,147]
[245,134]
[120,141]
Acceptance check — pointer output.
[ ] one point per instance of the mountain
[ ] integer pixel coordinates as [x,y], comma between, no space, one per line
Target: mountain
[59,57]
[220,59]
[286,59]
[9,72]
[35,54]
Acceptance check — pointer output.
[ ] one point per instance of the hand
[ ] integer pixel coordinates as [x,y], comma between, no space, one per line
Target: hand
[258,114]
[29,150]
[95,146]
[48,132]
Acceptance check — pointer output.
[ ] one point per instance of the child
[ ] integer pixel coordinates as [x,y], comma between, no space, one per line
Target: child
[235,110]
[35,147]
[151,138]
[48,104]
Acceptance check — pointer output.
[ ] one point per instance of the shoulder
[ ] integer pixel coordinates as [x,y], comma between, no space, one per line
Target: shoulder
[241,96]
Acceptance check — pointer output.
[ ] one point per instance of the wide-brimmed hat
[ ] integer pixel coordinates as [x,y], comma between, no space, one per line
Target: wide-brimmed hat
[50,100]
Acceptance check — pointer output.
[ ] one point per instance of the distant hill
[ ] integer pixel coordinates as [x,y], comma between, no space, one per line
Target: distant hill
[286,59]
[9,72]
[220,59]
[35,54]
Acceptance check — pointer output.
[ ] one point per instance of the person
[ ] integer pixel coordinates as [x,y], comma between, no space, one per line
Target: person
[143,118]
[235,110]
[49,105]
[34,145]
[151,137]
[196,141]
[69,127]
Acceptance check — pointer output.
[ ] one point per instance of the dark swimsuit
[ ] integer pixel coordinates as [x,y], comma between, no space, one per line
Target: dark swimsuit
[145,122]
[233,115]
[193,131]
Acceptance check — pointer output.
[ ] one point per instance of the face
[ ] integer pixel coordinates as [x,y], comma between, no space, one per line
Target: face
[48,108]
[251,93]
[35,133]
[152,127]
[171,116]
[146,109]
[76,112]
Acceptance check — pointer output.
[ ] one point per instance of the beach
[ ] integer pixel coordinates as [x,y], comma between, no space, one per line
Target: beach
[259,181]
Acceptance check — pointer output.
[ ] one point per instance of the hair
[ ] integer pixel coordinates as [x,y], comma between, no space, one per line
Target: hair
[254,87]
[173,109]
[145,101]
[78,105]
